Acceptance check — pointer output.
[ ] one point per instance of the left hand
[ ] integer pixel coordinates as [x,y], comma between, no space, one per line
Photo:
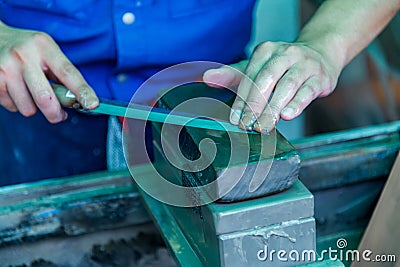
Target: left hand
[293,73]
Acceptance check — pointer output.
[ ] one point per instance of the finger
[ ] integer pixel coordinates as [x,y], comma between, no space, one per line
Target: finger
[309,91]
[262,88]
[261,54]
[68,75]
[5,98]
[284,91]
[43,94]
[20,95]
[50,75]
[226,76]
[7,102]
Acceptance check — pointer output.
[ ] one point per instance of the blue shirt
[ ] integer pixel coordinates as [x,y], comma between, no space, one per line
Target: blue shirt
[118,44]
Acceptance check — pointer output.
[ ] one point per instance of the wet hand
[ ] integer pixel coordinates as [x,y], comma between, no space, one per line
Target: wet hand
[288,76]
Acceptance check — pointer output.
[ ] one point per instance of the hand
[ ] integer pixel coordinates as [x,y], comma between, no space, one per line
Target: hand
[294,74]
[27,60]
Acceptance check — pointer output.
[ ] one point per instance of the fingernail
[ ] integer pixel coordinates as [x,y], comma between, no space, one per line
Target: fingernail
[247,121]
[288,112]
[258,128]
[246,128]
[88,100]
[235,116]
[220,77]
[61,116]
[266,123]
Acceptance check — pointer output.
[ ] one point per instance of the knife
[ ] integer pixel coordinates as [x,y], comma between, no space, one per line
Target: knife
[143,112]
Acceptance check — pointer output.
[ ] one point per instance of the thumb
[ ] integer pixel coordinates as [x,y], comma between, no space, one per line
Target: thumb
[225,76]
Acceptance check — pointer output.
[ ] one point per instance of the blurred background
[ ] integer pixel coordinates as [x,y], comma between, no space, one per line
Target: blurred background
[368,91]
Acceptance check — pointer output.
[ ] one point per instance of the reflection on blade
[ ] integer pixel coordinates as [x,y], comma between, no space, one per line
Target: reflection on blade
[147,113]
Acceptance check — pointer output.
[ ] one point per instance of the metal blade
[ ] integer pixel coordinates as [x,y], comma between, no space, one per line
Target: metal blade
[142,112]
[147,113]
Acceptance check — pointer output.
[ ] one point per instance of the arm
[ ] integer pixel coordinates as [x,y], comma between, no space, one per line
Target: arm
[27,60]
[343,28]
[297,73]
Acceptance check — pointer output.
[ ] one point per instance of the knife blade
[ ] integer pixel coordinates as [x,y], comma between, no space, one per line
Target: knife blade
[143,112]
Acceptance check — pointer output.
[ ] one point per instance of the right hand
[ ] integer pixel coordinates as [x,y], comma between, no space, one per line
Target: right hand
[27,60]
[291,74]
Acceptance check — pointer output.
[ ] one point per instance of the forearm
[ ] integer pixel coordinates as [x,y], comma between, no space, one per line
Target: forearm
[340,29]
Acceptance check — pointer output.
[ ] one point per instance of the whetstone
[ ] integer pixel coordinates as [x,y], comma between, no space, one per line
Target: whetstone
[284,163]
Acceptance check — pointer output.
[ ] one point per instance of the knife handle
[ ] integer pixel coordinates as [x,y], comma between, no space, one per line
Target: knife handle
[65,96]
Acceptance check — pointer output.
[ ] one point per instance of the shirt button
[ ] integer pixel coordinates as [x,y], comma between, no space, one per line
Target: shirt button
[122,77]
[128,18]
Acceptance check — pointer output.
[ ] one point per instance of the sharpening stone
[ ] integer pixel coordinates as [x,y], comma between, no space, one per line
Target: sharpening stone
[281,168]
[231,234]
